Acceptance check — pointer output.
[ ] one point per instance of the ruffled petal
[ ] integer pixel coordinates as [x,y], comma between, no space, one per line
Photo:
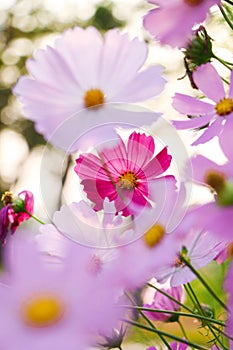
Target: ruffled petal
[140,149]
[158,164]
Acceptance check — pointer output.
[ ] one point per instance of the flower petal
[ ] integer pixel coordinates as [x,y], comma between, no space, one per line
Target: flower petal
[211,131]
[190,105]
[158,165]
[192,123]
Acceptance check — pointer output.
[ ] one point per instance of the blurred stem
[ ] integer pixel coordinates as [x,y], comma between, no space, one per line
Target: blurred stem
[226,64]
[199,307]
[170,297]
[225,17]
[202,280]
[229,2]
[168,335]
[148,320]
[182,328]
[35,218]
[178,313]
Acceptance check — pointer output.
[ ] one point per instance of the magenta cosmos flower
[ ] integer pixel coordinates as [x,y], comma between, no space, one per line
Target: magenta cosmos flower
[162,302]
[122,173]
[216,116]
[172,22]
[85,72]
[14,212]
[52,306]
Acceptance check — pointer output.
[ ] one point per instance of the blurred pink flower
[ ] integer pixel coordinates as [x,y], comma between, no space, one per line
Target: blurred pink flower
[174,346]
[217,117]
[52,306]
[86,70]
[123,173]
[162,302]
[175,30]
[14,212]
[216,216]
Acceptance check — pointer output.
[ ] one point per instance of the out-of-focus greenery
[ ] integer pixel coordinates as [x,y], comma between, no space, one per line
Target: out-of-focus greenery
[22,28]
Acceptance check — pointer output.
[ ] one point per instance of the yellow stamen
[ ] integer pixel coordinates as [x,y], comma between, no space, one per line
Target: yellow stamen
[193,2]
[216,180]
[93,98]
[127,181]
[154,235]
[42,311]
[224,106]
[7,197]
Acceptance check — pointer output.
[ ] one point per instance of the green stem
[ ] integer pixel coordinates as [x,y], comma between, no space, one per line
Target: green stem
[201,279]
[182,329]
[225,17]
[168,335]
[229,2]
[35,218]
[223,62]
[178,313]
[198,305]
[170,297]
[148,321]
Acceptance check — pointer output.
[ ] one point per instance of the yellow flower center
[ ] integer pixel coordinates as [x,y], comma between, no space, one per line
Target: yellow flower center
[42,311]
[154,235]
[216,180]
[93,98]
[193,2]
[224,106]
[7,197]
[127,181]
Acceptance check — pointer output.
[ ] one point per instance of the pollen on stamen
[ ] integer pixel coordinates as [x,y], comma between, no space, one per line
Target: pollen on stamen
[224,106]
[7,197]
[154,235]
[127,181]
[216,180]
[93,98]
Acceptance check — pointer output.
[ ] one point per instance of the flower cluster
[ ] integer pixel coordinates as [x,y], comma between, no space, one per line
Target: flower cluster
[81,280]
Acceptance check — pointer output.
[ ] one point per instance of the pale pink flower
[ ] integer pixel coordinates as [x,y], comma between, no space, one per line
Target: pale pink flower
[215,116]
[216,216]
[172,21]
[14,212]
[72,86]
[123,173]
[47,306]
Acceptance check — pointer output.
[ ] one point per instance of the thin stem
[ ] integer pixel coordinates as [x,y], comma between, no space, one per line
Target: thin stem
[34,217]
[170,297]
[198,305]
[168,335]
[201,279]
[229,2]
[178,313]
[225,17]
[223,62]
[120,348]
[148,321]
[182,329]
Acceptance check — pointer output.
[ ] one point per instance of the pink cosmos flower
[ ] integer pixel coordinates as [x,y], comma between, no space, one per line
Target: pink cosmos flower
[47,306]
[216,116]
[123,173]
[14,212]
[216,216]
[85,72]
[172,22]
[162,302]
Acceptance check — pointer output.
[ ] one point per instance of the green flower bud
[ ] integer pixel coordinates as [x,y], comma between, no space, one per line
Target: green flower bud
[18,205]
[199,50]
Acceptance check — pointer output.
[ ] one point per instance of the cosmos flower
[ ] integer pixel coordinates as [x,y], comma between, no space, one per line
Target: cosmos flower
[122,173]
[14,212]
[176,30]
[162,302]
[215,116]
[85,72]
[49,306]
